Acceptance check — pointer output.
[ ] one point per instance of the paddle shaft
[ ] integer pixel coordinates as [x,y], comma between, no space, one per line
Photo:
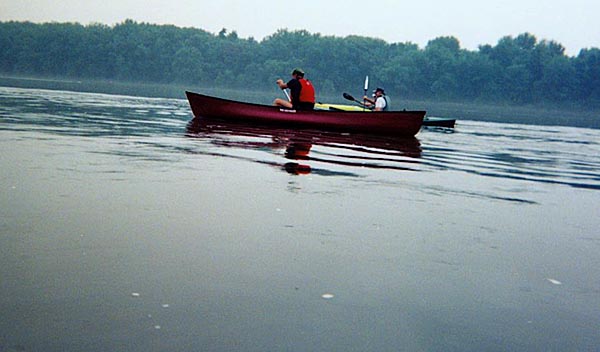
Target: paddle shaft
[366,89]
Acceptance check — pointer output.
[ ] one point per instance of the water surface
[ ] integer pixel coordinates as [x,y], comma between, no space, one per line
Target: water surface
[126,226]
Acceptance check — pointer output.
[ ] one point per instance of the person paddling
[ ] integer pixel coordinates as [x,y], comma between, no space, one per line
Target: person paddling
[379,102]
[302,92]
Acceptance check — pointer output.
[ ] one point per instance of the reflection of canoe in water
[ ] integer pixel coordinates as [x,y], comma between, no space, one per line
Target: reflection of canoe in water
[427,120]
[405,123]
[312,151]
[408,146]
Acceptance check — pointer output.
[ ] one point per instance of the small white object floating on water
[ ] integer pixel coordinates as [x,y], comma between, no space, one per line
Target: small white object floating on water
[555,282]
[327,296]
[165,306]
[135,294]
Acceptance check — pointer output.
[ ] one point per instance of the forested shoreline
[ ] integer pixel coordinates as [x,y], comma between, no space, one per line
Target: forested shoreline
[519,70]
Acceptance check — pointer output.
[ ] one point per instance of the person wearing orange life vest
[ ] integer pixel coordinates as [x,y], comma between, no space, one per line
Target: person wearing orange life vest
[302,92]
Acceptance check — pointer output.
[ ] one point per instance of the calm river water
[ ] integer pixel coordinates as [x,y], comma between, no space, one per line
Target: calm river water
[123,227]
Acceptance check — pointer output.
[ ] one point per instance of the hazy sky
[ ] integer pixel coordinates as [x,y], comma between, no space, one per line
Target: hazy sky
[573,23]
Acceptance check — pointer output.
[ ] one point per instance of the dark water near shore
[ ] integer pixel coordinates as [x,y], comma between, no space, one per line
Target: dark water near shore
[123,227]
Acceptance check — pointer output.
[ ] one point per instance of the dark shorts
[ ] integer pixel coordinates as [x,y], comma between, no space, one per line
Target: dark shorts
[304,106]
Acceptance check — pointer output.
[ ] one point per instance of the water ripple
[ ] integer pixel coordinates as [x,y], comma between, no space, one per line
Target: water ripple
[554,155]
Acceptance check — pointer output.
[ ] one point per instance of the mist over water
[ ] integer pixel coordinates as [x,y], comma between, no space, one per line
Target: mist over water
[127,225]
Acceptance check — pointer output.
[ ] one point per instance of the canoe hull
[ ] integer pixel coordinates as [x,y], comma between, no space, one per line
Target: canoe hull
[406,123]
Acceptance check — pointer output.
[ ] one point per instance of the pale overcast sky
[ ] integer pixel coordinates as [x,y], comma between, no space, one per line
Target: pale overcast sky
[572,23]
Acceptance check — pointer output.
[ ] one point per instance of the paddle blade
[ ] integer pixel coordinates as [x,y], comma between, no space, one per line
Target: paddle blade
[367,83]
[348,96]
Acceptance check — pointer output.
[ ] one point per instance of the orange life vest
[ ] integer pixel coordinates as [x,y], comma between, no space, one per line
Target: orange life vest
[307,93]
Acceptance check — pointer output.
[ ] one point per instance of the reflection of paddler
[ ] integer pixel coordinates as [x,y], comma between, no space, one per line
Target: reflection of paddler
[297,169]
[298,151]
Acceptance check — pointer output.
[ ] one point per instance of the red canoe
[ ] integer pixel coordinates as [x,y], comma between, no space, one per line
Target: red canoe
[405,123]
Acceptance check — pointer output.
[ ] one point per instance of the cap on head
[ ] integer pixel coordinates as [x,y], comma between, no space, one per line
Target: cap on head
[298,71]
[379,89]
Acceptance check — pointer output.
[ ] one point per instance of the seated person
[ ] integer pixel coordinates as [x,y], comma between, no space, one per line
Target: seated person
[302,92]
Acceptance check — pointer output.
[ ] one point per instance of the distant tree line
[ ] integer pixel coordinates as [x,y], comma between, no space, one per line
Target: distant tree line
[518,70]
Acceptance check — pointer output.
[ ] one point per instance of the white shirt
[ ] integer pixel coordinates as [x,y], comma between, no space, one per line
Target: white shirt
[380,103]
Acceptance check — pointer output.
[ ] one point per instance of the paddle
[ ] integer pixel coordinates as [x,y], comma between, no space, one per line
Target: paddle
[349,97]
[366,88]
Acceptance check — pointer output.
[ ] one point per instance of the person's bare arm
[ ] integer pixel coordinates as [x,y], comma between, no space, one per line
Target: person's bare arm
[281,84]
